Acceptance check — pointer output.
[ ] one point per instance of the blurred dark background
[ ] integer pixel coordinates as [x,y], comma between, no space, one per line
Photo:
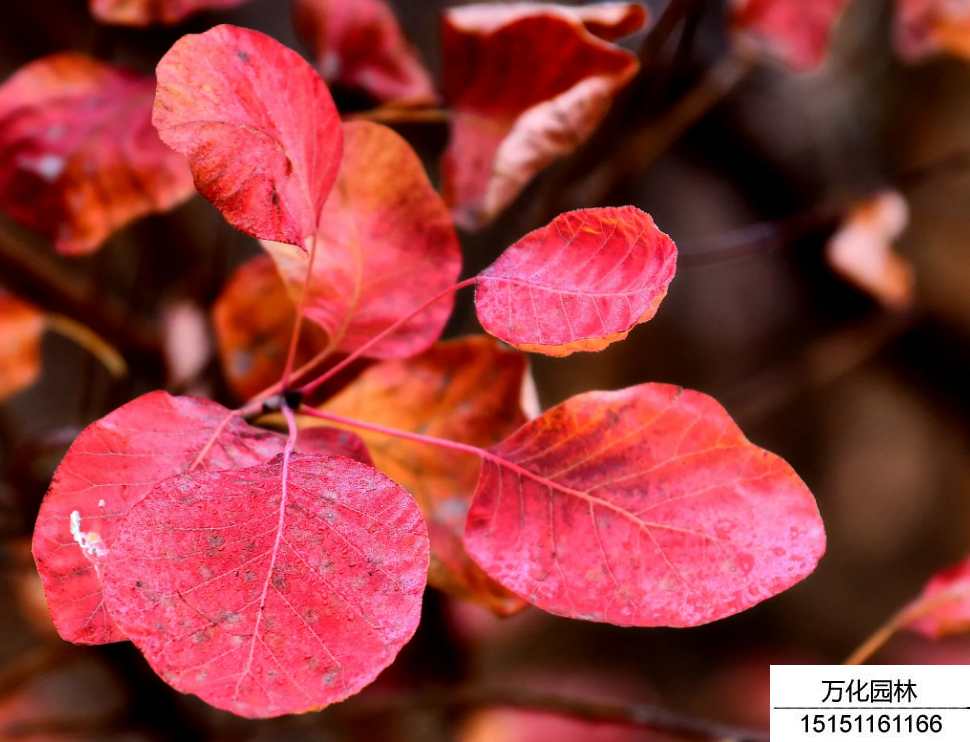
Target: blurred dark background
[871,407]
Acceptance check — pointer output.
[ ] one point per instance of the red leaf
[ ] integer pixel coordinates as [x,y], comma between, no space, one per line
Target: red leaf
[271,590]
[385,245]
[112,465]
[253,321]
[580,283]
[149,12]
[79,158]
[643,507]
[333,442]
[21,327]
[507,125]
[258,125]
[944,605]
[795,31]
[925,27]
[360,44]
[466,391]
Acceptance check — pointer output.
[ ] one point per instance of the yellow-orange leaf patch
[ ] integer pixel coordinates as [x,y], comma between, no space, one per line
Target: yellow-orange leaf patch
[925,27]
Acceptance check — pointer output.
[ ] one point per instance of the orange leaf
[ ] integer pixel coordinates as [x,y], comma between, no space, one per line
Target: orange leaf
[149,12]
[794,31]
[861,250]
[641,507]
[926,27]
[21,327]
[466,391]
[580,283]
[253,319]
[79,158]
[385,245]
[507,125]
[360,44]
[944,605]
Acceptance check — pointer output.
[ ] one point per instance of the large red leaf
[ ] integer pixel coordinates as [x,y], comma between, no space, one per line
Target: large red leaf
[258,125]
[926,27]
[644,507]
[113,464]
[580,283]
[385,245]
[360,44]
[795,31]
[508,125]
[149,12]
[466,391]
[271,590]
[944,605]
[79,158]
[21,327]
[253,320]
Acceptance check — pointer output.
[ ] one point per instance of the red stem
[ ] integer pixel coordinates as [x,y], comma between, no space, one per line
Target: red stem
[300,309]
[482,453]
[307,388]
[416,437]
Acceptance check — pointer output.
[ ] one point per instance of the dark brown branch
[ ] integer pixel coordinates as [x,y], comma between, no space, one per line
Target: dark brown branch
[668,20]
[622,156]
[33,276]
[824,361]
[640,715]
[31,664]
[397,115]
[642,147]
[761,237]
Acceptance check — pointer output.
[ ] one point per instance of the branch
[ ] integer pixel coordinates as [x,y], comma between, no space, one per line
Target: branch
[824,361]
[667,22]
[642,147]
[612,157]
[639,715]
[29,273]
[400,115]
[875,641]
[93,343]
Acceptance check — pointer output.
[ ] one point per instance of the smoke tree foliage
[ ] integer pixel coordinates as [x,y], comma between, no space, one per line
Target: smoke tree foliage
[271,559]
